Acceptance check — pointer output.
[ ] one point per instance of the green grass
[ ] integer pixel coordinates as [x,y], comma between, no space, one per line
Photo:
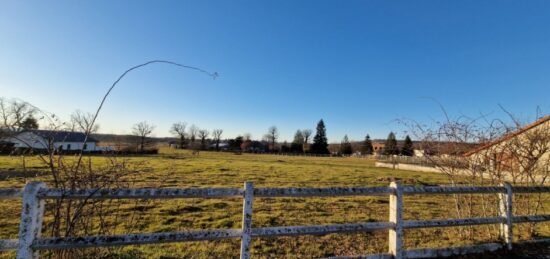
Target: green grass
[209,169]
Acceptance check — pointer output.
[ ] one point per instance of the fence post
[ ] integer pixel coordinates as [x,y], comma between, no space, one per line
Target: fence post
[32,213]
[247,220]
[395,238]
[505,198]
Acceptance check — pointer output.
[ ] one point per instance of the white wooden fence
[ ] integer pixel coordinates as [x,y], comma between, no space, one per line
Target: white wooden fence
[33,195]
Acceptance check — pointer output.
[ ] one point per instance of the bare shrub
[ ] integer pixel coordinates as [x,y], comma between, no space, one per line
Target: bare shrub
[505,152]
[72,172]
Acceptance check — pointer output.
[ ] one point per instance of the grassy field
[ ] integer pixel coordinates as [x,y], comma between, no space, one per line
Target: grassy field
[209,169]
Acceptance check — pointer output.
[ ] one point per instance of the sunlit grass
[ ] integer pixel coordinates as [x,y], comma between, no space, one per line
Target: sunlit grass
[176,168]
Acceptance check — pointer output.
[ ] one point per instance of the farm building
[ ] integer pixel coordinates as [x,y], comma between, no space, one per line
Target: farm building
[527,148]
[60,140]
[174,144]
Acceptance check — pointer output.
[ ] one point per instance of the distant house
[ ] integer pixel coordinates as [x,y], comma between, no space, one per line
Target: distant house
[60,140]
[174,144]
[378,148]
[419,153]
[223,146]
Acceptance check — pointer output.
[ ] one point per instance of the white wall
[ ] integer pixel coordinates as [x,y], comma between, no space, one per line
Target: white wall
[31,140]
[90,146]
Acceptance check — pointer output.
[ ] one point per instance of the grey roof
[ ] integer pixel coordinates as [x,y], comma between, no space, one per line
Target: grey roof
[63,136]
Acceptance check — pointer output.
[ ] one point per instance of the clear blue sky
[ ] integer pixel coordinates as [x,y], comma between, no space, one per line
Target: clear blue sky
[357,64]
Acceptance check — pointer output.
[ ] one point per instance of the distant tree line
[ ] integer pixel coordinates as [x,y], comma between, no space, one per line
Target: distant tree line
[22,117]
[391,147]
[196,138]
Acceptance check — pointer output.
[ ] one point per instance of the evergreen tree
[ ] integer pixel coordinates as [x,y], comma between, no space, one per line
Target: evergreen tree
[391,145]
[345,146]
[298,142]
[29,123]
[367,148]
[408,149]
[320,142]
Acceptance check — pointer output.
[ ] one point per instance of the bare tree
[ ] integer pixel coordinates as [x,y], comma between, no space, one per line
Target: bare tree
[273,134]
[217,134]
[85,217]
[247,142]
[203,134]
[178,129]
[16,116]
[13,114]
[82,122]
[306,134]
[142,130]
[193,131]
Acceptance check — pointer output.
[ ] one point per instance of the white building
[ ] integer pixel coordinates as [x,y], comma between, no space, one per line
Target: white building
[61,140]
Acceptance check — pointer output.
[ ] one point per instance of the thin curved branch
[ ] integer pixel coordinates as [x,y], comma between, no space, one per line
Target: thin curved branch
[213,75]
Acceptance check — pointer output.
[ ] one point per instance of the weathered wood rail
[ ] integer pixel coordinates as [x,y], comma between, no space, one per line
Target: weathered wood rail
[34,193]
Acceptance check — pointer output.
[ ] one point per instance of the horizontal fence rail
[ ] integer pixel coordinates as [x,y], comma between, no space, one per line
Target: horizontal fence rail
[33,195]
[144,193]
[10,193]
[451,190]
[135,239]
[321,229]
[320,192]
